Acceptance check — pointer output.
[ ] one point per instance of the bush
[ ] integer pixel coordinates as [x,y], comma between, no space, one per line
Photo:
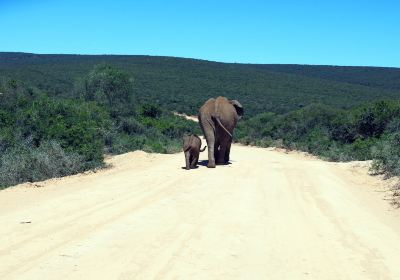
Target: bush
[109,87]
[130,125]
[150,110]
[27,163]
[78,126]
[123,143]
[161,135]
[386,154]
[370,131]
[42,137]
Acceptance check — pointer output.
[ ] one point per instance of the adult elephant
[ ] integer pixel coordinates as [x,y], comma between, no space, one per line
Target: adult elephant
[218,118]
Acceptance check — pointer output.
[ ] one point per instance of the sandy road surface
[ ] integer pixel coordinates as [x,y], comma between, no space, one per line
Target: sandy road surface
[268,215]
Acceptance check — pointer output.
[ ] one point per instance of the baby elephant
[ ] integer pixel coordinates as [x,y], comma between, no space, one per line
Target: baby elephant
[191,148]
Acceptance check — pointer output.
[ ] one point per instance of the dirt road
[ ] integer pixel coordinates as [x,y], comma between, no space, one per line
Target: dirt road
[268,215]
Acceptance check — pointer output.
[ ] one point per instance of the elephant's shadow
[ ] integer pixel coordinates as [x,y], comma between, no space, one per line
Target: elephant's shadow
[184,167]
[204,162]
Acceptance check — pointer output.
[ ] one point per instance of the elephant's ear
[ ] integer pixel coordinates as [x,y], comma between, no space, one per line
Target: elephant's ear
[238,107]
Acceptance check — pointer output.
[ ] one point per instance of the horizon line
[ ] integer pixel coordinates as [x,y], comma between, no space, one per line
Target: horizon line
[199,59]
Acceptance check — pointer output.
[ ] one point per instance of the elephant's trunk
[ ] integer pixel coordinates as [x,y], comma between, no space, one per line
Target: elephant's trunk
[223,127]
[202,150]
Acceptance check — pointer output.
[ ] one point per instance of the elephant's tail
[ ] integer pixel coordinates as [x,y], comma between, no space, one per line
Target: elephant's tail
[223,127]
[202,150]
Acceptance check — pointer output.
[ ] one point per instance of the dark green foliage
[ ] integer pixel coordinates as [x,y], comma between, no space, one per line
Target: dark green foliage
[109,87]
[130,126]
[387,151]
[151,111]
[371,120]
[369,131]
[183,85]
[43,137]
[376,77]
[160,135]
[78,126]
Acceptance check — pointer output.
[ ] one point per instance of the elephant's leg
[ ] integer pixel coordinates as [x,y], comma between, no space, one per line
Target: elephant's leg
[193,162]
[218,143]
[224,151]
[187,159]
[221,152]
[209,133]
[211,151]
[216,150]
[197,159]
[221,155]
[227,152]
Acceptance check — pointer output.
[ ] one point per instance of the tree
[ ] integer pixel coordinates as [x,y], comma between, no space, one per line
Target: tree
[110,87]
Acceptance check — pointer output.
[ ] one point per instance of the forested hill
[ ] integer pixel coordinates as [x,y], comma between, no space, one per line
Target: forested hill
[375,77]
[183,84]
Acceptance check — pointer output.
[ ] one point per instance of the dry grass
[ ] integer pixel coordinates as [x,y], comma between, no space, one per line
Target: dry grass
[395,201]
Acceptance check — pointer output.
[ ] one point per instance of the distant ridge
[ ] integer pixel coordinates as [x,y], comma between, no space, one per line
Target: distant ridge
[182,84]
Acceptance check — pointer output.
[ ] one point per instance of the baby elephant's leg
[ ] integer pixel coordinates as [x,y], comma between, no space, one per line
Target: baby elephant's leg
[187,159]
[194,160]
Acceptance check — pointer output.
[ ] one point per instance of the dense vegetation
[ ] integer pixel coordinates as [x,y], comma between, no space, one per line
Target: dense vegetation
[183,84]
[43,136]
[59,114]
[368,131]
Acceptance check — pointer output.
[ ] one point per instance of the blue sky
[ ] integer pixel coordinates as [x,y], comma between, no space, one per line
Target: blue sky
[351,32]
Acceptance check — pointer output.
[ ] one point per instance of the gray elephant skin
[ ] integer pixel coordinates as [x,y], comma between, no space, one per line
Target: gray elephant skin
[218,118]
[191,148]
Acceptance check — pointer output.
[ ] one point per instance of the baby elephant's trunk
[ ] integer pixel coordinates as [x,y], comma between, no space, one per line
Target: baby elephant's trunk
[203,149]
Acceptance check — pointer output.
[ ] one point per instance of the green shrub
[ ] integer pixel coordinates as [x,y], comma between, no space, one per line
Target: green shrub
[386,154]
[150,111]
[27,163]
[131,125]
[78,126]
[369,131]
[75,133]
[123,143]
[109,87]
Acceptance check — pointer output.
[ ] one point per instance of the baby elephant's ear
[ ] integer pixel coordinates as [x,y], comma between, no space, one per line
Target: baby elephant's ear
[238,107]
